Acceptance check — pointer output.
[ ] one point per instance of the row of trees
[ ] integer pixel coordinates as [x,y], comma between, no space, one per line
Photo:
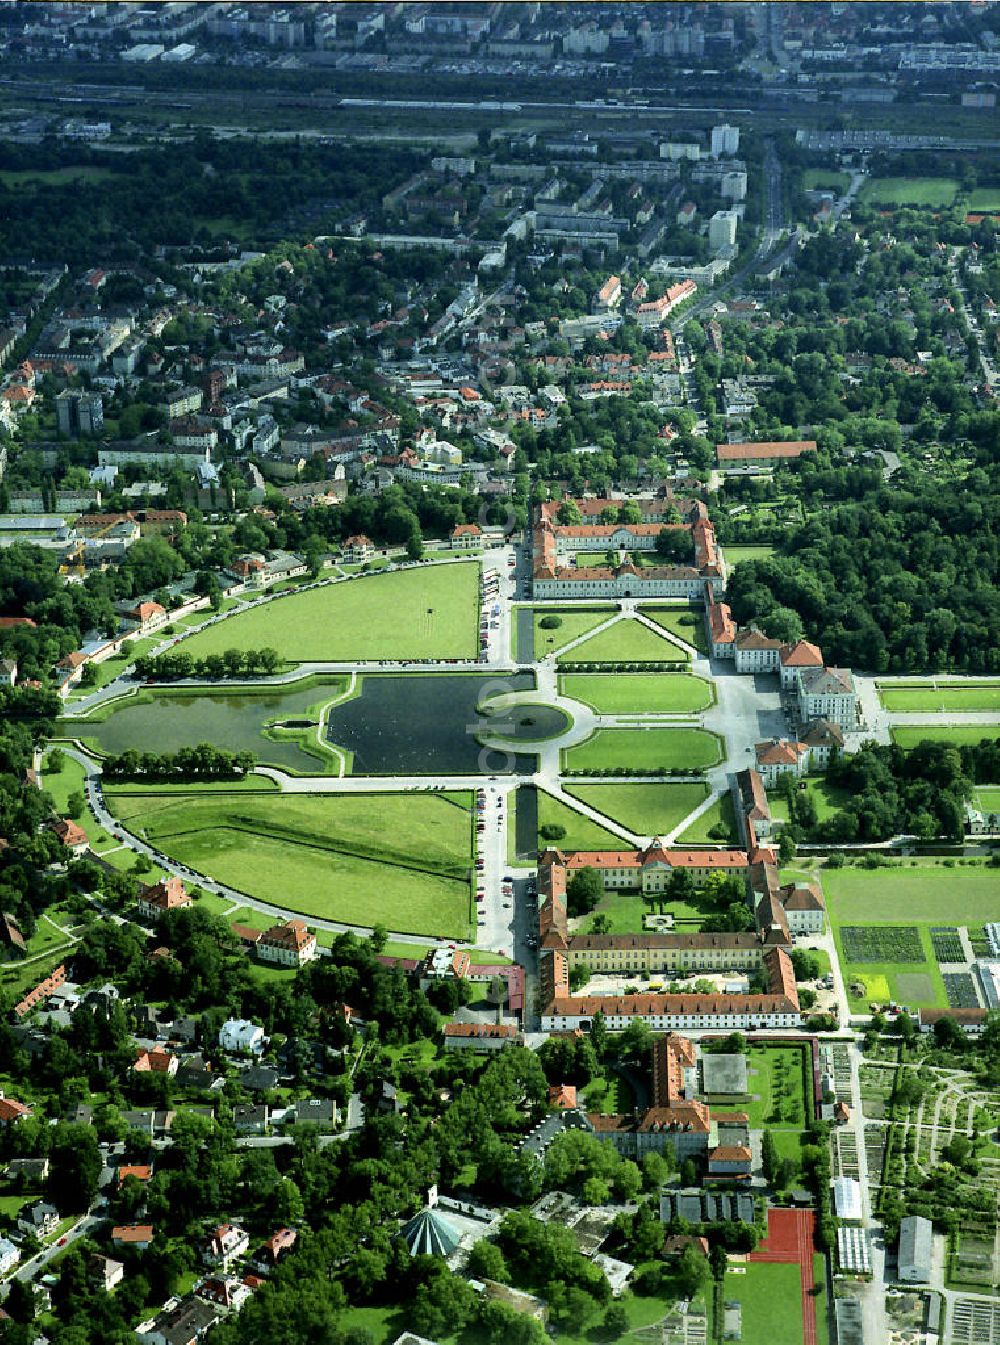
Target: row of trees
[202,763]
[177,665]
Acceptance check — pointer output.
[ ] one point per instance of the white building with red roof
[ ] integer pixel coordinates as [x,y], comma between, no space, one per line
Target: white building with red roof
[292,944]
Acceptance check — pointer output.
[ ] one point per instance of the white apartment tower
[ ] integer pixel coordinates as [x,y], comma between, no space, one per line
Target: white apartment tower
[725,141]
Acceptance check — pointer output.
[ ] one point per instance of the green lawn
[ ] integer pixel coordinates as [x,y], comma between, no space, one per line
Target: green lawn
[829,799]
[922,896]
[941,696]
[824,179]
[427,612]
[641,751]
[394,859]
[735,554]
[777,1091]
[987,798]
[581,833]
[909,191]
[18,177]
[720,814]
[771,1299]
[113,667]
[638,693]
[984,198]
[927,893]
[647,809]
[574,622]
[627,641]
[69,780]
[961,735]
[688,625]
[625,911]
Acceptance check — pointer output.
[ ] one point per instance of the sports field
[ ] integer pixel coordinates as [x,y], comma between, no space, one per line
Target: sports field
[987,798]
[770,1297]
[688,625]
[961,735]
[642,751]
[427,612]
[909,191]
[934,696]
[572,624]
[581,832]
[638,693]
[823,179]
[646,809]
[401,860]
[627,641]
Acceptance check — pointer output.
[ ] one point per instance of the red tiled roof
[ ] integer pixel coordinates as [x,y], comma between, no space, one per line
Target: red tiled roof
[745,452]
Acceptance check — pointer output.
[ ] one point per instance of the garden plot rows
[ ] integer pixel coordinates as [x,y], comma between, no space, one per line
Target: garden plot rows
[946,944]
[881,943]
[960,989]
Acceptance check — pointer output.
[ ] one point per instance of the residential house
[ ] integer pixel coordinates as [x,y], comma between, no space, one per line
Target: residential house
[41,1219]
[183,1324]
[156,1062]
[316,1111]
[251,1118]
[169,894]
[225,1291]
[277,1246]
[804,907]
[259,1079]
[139,1172]
[147,615]
[224,1245]
[9,1255]
[357,549]
[29,1170]
[12,944]
[483,1038]
[104,1272]
[242,1037]
[12,1111]
[132,1235]
[465,535]
[292,944]
[8,671]
[73,837]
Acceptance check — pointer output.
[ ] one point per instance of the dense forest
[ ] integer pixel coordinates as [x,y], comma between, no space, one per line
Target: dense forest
[902,580]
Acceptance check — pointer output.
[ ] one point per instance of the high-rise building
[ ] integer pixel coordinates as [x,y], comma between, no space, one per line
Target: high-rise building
[734,187]
[722,229]
[725,141]
[79,413]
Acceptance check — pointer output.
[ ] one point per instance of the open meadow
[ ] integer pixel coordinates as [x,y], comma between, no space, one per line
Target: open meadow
[643,751]
[393,859]
[638,693]
[429,612]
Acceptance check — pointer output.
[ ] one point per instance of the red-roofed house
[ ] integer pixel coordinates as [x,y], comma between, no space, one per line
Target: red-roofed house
[73,837]
[465,535]
[12,1111]
[562,1096]
[156,1061]
[169,894]
[292,944]
[357,549]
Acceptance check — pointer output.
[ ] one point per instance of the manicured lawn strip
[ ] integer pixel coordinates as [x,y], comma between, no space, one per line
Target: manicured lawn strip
[688,625]
[638,693]
[910,895]
[736,554]
[111,668]
[250,784]
[771,1298]
[788,1144]
[581,833]
[647,809]
[627,641]
[987,798]
[641,751]
[398,860]
[427,612]
[907,191]
[721,812]
[823,179]
[575,622]
[941,696]
[960,735]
